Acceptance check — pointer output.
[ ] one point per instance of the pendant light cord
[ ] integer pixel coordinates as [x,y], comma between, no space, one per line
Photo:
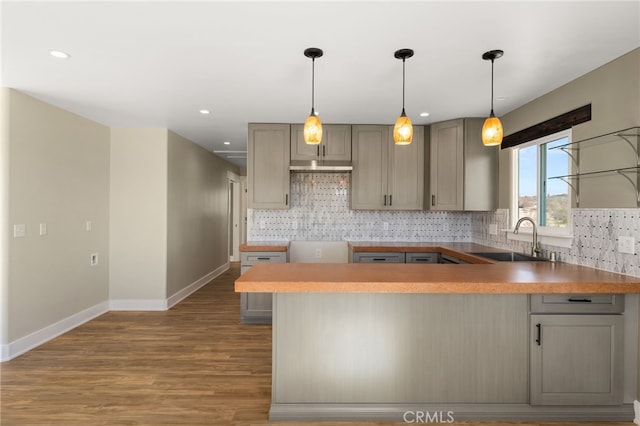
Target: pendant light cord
[313,84]
[492,87]
[403,59]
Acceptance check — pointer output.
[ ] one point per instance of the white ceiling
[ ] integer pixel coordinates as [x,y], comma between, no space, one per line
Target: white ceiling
[156,64]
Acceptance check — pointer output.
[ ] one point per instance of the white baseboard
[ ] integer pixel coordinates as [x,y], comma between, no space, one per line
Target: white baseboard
[180,295]
[138,305]
[26,343]
[45,334]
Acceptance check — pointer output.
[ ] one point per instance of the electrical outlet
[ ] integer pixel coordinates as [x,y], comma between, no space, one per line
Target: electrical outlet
[318,253]
[93,261]
[626,245]
[43,229]
[294,224]
[263,224]
[493,229]
[385,226]
[19,231]
[88,225]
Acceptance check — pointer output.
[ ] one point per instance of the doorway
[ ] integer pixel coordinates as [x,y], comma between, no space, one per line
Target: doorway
[234,215]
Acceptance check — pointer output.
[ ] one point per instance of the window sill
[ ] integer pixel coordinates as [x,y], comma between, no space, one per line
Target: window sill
[552,238]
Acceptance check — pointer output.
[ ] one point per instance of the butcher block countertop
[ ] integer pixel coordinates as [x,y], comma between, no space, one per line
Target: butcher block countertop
[478,278]
[265,246]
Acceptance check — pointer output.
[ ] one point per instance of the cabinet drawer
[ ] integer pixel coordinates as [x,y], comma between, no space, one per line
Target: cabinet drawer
[249,258]
[577,303]
[421,257]
[378,257]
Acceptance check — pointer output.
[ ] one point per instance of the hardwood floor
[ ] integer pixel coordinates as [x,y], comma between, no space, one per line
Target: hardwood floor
[192,365]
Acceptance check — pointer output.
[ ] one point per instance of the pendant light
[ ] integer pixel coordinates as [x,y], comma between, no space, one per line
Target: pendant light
[492,128]
[403,130]
[312,126]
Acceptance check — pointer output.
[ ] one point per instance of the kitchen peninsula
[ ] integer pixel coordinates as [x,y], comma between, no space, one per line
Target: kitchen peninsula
[479,340]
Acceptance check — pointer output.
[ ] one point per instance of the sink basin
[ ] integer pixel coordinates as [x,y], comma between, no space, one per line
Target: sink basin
[509,257]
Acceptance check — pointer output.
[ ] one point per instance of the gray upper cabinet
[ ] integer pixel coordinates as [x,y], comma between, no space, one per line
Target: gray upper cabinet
[464,173]
[335,146]
[268,166]
[386,176]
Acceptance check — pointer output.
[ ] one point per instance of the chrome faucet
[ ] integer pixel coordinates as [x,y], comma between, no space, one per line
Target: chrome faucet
[535,249]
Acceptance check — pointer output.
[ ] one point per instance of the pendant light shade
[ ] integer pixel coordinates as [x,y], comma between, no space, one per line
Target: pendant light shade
[403,130]
[312,126]
[492,129]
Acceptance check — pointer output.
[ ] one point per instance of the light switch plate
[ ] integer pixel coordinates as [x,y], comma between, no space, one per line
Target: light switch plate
[626,245]
[385,226]
[43,229]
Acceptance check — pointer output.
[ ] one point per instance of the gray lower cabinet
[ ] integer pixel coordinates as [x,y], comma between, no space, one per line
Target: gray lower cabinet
[256,308]
[378,257]
[421,257]
[576,359]
[577,303]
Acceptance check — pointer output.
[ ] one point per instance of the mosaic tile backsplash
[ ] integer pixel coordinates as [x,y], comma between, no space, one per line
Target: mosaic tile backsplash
[320,211]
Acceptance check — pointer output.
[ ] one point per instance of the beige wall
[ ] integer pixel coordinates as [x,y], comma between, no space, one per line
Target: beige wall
[138,211]
[614,93]
[197,213]
[59,175]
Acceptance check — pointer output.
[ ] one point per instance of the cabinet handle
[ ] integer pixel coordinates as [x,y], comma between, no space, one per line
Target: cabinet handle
[318,151]
[286,199]
[323,150]
[421,259]
[379,259]
[385,201]
[390,200]
[264,258]
[580,300]
[433,200]
[539,339]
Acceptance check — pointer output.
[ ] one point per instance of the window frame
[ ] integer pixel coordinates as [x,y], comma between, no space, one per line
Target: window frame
[514,210]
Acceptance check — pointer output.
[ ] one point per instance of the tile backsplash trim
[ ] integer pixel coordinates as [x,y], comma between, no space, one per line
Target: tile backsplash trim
[320,211]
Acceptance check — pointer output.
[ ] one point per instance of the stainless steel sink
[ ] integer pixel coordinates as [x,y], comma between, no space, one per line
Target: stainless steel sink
[509,257]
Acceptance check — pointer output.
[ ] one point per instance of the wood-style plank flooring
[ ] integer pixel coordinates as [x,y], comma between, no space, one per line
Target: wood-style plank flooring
[192,365]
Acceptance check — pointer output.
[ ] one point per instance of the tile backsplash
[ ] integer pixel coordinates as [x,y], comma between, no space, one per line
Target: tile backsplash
[594,243]
[320,211]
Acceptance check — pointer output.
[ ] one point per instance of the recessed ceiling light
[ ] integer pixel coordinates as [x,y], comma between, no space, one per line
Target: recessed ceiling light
[205,112]
[226,143]
[424,114]
[59,54]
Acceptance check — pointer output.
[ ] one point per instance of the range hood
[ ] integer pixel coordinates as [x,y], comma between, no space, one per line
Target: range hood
[314,166]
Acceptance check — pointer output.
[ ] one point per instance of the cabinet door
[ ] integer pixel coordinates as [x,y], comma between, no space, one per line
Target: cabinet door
[576,359]
[335,146]
[369,176]
[447,172]
[336,142]
[268,166]
[406,173]
[300,150]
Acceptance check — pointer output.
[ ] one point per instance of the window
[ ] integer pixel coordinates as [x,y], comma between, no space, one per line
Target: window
[538,193]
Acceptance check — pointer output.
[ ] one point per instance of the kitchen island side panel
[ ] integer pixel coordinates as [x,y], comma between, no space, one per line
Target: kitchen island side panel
[348,348]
